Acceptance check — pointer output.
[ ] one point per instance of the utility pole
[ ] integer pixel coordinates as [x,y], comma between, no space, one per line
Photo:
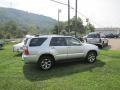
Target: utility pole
[69,17]
[76,18]
[58,21]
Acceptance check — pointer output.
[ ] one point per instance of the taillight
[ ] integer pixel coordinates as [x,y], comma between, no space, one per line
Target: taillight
[26,52]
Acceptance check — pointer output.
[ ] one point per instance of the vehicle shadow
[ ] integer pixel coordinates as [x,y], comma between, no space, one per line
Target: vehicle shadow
[107,47]
[33,73]
[17,54]
[2,49]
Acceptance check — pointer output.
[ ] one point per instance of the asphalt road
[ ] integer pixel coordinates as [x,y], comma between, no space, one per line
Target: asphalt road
[114,44]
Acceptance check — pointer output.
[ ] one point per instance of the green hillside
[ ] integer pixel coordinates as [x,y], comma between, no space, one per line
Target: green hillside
[25,19]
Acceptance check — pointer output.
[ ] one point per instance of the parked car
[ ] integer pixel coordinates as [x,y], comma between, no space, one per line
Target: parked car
[80,38]
[19,47]
[46,50]
[1,44]
[111,35]
[97,39]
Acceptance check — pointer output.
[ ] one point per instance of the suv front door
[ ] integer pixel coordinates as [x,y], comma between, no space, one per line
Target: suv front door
[75,48]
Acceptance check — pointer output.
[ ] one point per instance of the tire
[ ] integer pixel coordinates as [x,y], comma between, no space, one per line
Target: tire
[45,62]
[101,46]
[107,44]
[91,57]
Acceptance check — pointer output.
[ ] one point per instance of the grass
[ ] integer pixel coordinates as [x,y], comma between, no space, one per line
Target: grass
[102,75]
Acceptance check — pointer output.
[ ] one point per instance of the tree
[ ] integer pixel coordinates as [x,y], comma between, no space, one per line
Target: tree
[80,26]
[55,30]
[81,29]
[33,30]
[61,28]
[89,28]
[11,29]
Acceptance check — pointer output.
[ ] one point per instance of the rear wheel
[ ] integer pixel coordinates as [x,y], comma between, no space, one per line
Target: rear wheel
[101,45]
[91,57]
[45,62]
[107,44]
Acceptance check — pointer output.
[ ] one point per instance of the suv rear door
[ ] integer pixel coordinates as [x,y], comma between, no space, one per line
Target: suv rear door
[58,47]
[35,45]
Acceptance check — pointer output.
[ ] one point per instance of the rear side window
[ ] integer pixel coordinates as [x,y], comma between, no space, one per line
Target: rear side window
[58,41]
[37,41]
[97,35]
[90,36]
[94,36]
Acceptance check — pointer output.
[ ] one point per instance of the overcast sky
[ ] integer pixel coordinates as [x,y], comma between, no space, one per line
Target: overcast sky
[102,13]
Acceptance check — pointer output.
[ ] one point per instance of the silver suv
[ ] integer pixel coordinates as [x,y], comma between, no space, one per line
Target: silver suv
[97,39]
[46,50]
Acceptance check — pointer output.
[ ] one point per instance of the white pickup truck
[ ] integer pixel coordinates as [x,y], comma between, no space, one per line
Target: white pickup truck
[97,39]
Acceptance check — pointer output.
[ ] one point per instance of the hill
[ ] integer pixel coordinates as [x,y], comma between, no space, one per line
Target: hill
[25,19]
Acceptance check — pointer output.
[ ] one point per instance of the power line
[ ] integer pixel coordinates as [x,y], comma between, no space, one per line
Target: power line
[77,12]
[59,2]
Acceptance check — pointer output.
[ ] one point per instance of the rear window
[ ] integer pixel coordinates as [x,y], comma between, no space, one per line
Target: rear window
[37,41]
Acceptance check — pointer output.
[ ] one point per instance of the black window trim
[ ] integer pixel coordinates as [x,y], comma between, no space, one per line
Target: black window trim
[74,39]
[45,38]
[57,45]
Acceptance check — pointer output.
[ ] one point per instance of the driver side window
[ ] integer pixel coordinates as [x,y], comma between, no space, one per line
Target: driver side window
[73,42]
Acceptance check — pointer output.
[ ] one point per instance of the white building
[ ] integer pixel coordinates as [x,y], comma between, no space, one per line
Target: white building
[108,30]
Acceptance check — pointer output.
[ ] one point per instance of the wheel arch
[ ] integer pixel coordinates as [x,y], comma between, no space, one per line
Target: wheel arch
[47,54]
[92,51]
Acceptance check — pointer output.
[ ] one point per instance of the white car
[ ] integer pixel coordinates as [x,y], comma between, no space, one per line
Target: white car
[19,47]
[46,50]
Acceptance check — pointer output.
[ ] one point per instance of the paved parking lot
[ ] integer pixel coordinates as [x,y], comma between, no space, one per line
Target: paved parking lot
[114,44]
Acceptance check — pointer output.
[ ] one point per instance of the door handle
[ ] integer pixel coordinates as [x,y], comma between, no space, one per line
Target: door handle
[52,47]
[69,47]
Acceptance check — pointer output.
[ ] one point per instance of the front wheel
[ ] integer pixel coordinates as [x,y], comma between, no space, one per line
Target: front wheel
[45,63]
[91,57]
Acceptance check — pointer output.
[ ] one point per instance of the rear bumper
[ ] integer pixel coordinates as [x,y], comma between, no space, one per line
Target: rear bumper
[30,58]
[95,43]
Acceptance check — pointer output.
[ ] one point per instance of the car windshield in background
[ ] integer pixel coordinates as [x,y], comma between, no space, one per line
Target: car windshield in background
[37,41]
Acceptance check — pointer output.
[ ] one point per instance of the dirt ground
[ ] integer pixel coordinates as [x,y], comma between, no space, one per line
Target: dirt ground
[114,44]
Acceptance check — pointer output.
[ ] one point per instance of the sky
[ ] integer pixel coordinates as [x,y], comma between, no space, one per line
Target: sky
[101,13]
